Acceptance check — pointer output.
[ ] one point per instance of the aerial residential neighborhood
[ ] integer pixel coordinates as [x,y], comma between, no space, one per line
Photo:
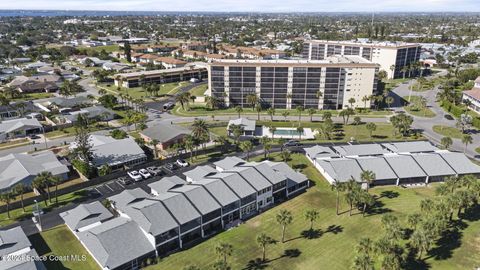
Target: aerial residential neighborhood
[236,135]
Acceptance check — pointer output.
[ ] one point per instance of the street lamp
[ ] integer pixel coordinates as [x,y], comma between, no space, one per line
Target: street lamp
[38,214]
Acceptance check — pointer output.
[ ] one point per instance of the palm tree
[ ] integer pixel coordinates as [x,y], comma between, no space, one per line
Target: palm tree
[365,99]
[224,250]
[263,241]
[258,108]
[371,127]
[272,130]
[351,101]
[300,132]
[311,215]
[367,177]
[7,197]
[351,192]
[45,178]
[285,114]
[421,241]
[299,110]
[338,187]
[252,99]
[189,142]
[200,130]
[446,142]
[154,143]
[311,112]
[264,141]
[56,181]
[285,154]
[284,218]
[183,99]
[271,112]
[466,139]
[404,71]
[239,110]
[389,100]
[20,189]
[246,146]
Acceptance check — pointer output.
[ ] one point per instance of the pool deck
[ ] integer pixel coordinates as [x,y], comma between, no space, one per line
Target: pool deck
[308,133]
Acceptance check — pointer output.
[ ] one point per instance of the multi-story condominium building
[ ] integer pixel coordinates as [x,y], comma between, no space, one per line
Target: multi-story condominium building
[392,57]
[319,84]
[134,79]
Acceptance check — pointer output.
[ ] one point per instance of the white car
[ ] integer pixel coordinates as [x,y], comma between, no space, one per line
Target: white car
[135,176]
[182,163]
[144,173]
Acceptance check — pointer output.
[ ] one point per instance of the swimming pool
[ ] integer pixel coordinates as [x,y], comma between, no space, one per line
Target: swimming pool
[288,132]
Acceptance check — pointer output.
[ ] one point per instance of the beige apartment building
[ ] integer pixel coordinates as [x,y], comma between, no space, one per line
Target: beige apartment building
[286,84]
[391,57]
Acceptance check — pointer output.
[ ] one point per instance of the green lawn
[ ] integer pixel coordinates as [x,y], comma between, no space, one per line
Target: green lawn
[334,246]
[425,112]
[107,48]
[14,143]
[70,131]
[18,214]
[60,241]
[477,150]
[140,93]
[199,90]
[451,132]
[201,110]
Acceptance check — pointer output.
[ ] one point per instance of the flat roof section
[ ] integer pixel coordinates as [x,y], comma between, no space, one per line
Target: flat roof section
[405,166]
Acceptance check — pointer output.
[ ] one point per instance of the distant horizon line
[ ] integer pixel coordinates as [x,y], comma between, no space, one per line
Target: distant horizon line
[257,12]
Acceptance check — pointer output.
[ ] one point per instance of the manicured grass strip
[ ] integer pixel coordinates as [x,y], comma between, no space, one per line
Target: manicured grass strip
[451,132]
[425,112]
[199,90]
[58,242]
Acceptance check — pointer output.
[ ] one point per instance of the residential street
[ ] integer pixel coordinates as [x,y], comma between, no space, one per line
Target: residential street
[426,124]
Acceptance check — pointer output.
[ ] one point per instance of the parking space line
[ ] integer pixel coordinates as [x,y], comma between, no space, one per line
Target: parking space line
[106,185]
[118,182]
[99,191]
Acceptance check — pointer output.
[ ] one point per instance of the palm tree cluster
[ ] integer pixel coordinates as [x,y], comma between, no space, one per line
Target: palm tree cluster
[353,193]
[425,228]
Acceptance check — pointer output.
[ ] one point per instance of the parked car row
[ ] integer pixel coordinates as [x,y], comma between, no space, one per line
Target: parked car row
[141,174]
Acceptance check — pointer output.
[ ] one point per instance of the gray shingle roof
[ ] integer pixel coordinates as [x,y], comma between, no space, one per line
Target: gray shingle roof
[164,132]
[179,206]
[460,163]
[199,172]
[13,240]
[116,242]
[15,168]
[319,151]
[13,125]
[152,216]
[229,162]
[236,183]
[379,166]
[433,164]
[360,150]
[86,214]
[23,264]
[342,169]
[405,166]
[293,177]
[274,177]
[219,190]
[252,176]
[166,183]
[410,147]
[128,196]
[199,197]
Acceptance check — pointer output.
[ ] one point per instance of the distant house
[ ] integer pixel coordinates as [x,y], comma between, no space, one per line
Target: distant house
[17,109]
[115,66]
[23,168]
[19,128]
[114,153]
[169,62]
[57,103]
[473,96]
[86,216]
[247,125]
[38,83]
[15,244]
[166,135]
[92,113]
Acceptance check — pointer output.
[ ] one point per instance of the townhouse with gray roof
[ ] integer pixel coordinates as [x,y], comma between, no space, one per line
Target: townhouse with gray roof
[19,128]
[177,213]
[392,163]
[14,244]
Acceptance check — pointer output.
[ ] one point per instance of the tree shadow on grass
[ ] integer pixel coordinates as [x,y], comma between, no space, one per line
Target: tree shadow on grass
[299,166]
[450,240]
[42,248]
[312,234]
[377,208]
[335,229]
[389,194]
[256,264]
[413,262]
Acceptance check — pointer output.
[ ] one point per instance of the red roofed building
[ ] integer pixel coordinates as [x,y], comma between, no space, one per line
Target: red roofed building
[473,96]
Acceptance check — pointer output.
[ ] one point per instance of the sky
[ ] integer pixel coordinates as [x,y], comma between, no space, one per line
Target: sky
[250,5]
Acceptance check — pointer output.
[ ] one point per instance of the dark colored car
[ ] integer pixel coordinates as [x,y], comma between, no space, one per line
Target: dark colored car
[292,143]
[448,117]
[170,166]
